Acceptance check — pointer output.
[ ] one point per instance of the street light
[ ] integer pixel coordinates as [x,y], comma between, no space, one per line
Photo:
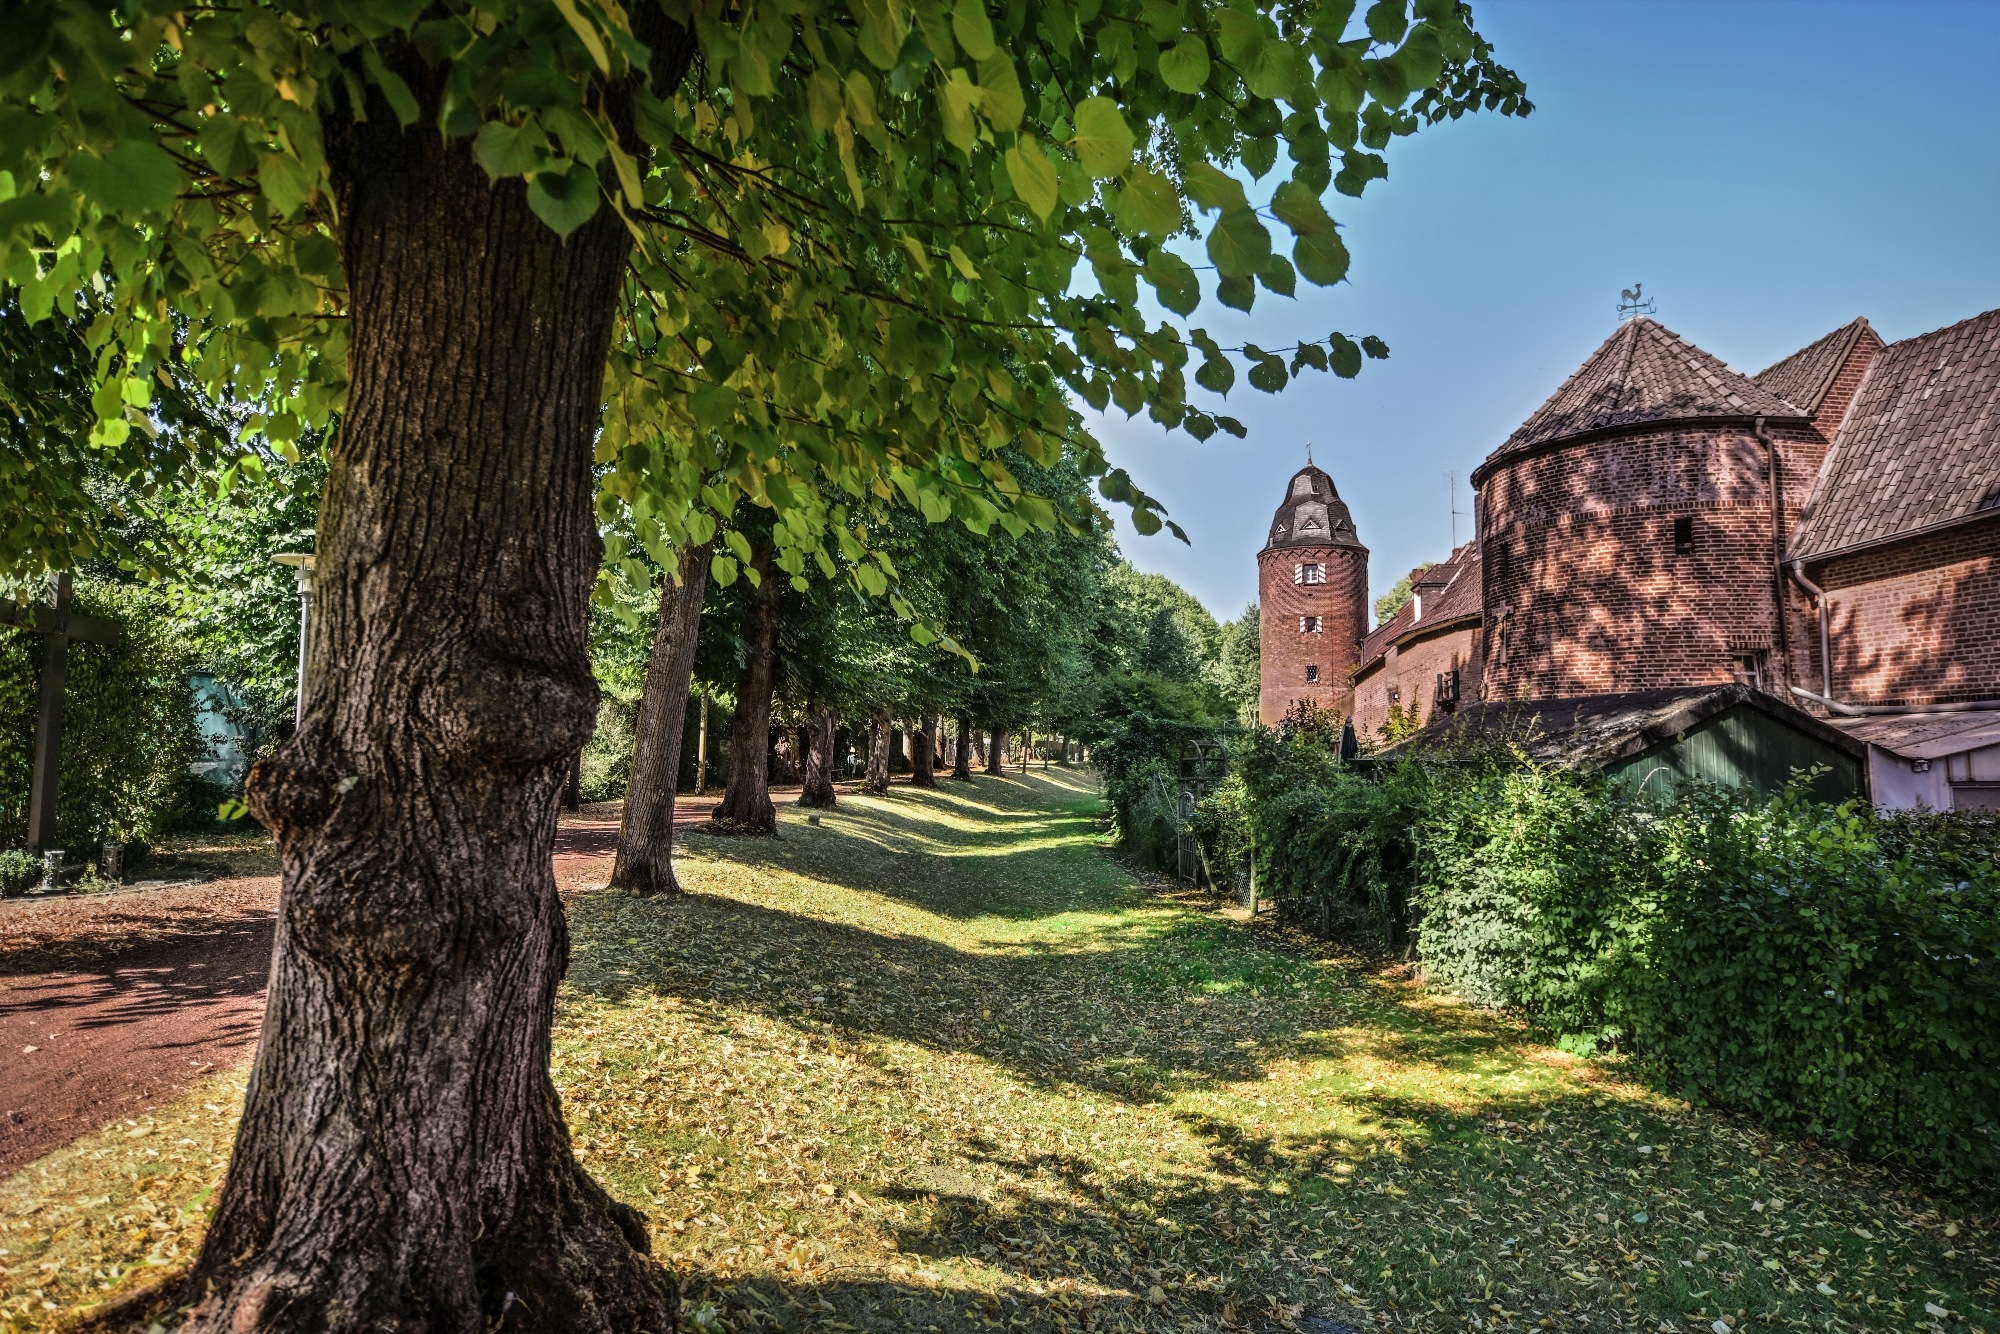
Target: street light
[302,567]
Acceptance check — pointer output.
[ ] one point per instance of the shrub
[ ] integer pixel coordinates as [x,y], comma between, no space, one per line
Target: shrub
[1140,768]
[129,731]
[19,873]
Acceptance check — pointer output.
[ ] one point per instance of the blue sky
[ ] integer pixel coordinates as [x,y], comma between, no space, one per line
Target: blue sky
[1769,169]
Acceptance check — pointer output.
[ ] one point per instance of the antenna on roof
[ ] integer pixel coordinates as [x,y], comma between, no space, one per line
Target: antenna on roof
[1632,301]
[1309,453]
[1451,489]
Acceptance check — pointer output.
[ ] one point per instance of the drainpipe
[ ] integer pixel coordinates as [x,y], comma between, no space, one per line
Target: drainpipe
[1798,569]
[1894,710]
[1777,545]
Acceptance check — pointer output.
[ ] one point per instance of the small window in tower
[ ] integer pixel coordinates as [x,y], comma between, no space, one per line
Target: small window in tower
[1312,671]
[1308,625]
[1684,536]
[1309,574]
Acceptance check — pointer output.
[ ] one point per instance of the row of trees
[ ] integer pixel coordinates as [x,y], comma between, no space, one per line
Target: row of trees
[563,268]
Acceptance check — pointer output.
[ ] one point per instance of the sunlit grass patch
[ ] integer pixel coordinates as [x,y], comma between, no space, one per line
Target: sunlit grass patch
[116,1210]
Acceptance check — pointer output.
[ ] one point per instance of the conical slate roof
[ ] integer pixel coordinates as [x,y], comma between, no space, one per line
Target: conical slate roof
[1643,375]
[1803,378]
[1312,514]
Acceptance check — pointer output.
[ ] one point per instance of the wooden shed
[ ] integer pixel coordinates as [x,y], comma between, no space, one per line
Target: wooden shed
[1734,735]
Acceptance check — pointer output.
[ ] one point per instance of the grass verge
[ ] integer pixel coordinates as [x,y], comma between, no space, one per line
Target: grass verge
[938,1063]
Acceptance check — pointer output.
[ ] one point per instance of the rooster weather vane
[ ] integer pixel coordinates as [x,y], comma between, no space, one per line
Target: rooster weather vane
[1632,301]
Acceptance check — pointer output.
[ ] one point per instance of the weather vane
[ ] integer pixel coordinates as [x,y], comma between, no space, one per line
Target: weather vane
[1632,301]
[1309,453]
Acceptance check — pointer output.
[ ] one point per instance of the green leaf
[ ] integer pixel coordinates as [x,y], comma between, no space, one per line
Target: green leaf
[1276,70]
[401,100]
[1217,374]
[1240,35]
[722,570]
[1146,522]
[884,26]
[1234,427]
[135,177]
[1269,375]
[1276,274]
[1322,259]
[1212,188]
[1184,65]
[1259,155]
[712,406]
[973,29]
[1240,293]
[1148,205]
[1299,208]
[564,200]
[509,150]
[1375,348]
[1239,244]
[1387,20]
[1002,103]
[1173,280]
[1344,355]
[1309,354]
[317,255]
[956,96]
[1033,177]
[1103,141]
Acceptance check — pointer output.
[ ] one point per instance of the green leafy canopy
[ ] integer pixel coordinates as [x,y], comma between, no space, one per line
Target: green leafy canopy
[856,230]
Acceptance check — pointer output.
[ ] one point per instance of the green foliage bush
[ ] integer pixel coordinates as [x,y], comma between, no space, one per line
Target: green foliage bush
[19,872]
[129,731]
[1139,764]
[1825,967]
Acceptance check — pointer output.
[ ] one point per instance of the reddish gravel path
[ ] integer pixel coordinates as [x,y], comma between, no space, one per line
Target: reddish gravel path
[111,1004]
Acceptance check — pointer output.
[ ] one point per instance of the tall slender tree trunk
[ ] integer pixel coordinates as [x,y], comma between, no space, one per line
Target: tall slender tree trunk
[402,1161]
[996,756]
[645,863]
[817,789]
[879,735]
[961,767]
[746,801]
[923,766]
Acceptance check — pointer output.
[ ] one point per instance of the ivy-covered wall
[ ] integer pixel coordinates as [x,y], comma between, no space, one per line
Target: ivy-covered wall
[129,726]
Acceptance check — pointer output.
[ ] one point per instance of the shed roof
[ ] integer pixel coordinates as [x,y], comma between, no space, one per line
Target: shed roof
[1926,736]
[1921,445]
[1595,731]
[1643,375]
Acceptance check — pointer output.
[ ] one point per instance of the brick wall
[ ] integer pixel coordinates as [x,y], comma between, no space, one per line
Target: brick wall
[1840,395]
[1592,593]
[1408,670]
[1341,603]
[1914,622]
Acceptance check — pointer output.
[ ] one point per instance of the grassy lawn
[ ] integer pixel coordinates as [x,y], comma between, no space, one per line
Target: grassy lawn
[938,1063]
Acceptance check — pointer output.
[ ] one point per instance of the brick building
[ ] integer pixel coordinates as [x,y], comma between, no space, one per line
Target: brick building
[1428,653]
[1312,591]
[1826,531]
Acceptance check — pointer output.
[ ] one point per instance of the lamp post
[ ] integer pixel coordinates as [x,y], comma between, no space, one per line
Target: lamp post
[302,568]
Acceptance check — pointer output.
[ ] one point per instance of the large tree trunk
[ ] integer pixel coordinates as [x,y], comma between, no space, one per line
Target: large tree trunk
[645,863]
[402,1161]
[879,733]
[996,749]
[961,767]
[746,801]
[817,789]
[923,767]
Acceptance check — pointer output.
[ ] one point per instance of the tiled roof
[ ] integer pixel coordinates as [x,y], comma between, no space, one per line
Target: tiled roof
[1803,378]
[1920,447]
[1312,514]
[1641,375]
[1449,592]
[1925,736]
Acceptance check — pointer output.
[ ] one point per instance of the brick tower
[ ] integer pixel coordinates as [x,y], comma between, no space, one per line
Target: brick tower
[1312,591]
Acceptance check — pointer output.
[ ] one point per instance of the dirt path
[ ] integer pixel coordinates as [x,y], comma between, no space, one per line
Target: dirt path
[113,1004]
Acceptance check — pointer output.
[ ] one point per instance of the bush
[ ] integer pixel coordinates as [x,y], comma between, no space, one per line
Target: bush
[1140,768]
[129,731]
[19,873]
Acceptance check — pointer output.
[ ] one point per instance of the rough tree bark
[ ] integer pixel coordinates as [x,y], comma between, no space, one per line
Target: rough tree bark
[817,789]
[402,1161]
[923,767]
[746,801]
[996,749]
[961,767]
[645,863]
[879,735]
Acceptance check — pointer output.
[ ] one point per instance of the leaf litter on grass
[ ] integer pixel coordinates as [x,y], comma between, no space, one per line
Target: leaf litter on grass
[938,1063]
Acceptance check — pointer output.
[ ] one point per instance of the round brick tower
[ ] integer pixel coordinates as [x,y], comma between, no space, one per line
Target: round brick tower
[1312,592]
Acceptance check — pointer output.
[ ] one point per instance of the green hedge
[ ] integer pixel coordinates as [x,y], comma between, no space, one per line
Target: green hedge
[1139,764]
[129,731]
[1825,967]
